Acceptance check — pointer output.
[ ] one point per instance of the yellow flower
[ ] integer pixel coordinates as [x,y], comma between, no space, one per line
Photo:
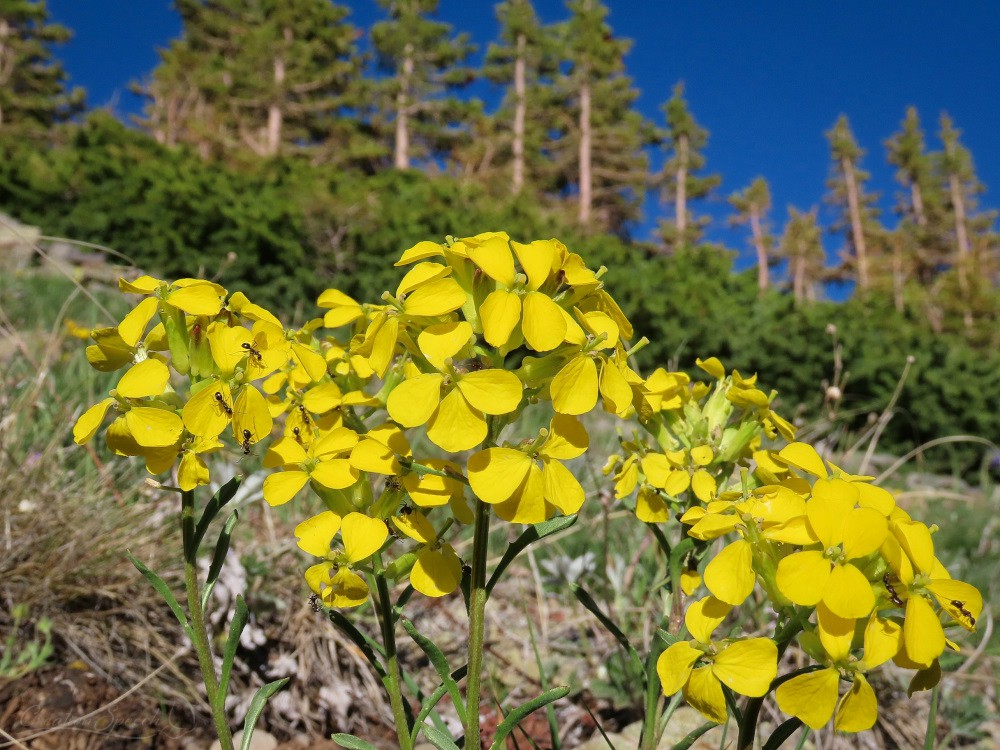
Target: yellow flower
[323,461]
[452,401]
[590,372]
[745,666]
[804,457]
[437,570]
[334,579]
[521,490]
[845,533]
[341,309]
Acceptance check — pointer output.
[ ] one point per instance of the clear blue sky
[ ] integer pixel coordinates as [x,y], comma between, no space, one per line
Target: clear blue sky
[766,78]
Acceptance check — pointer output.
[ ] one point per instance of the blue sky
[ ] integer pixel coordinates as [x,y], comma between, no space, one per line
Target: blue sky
[767,78]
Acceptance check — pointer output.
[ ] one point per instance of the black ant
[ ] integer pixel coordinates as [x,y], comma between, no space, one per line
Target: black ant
[305,415]
[245,445]
[960,606]
[298,435]
[893,596]
[252,352]
[221,401]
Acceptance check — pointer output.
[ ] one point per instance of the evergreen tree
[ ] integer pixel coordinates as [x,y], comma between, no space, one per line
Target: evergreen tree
[523,61]
[424,65]
[33,93]
[681,184]
[270,76]
[600,152]
[802,246]
[753,204]
[856,208]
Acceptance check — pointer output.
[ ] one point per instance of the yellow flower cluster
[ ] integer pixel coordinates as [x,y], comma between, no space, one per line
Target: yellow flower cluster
[478,329]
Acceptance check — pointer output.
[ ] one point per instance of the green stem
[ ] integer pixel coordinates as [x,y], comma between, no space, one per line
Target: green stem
[477,624]
[392,678]
[199,634]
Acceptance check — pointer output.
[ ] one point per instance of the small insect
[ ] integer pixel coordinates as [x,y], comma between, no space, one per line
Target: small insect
[297,433]
[314,603]
[394,483]
[893,596]
[960,606]
[245,445]
[306,419]
[221,401]
[253,352]
[405,510]
[392,531]
[466,568]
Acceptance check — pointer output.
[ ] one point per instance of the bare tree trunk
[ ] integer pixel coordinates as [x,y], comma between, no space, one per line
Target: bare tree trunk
[680,199]
[402,150]
[586,170]
[520,111]
[799,279]
[857,231]
[758,243]
[918,204]
[962,240]
[275,117]
[898,277]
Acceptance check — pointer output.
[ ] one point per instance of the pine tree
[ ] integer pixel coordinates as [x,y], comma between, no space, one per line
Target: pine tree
[681,184]
[753,204]
[33,94]
[802,246]
[424,64]
[523,60]
[270,76]
[601,148]
[858,215]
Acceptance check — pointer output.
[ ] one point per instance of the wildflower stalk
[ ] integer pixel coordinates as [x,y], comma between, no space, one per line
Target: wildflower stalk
[477,623]
[199,635]
[393,682]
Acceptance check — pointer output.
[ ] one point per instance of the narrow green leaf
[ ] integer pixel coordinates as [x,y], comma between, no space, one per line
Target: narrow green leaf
[734,707]
[425,710]
[691,737]
[439,739]
[212,507]
[163,590]
[240,617]
[661,538]
[359,639]
[440,663]
[219,557]
[588,601]
[529,536]
[597,723]
[257,704]
[930,736]
[350,742]
[782,733]
[517,715]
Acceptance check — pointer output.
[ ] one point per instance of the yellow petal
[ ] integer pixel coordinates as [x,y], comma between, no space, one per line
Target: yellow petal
[848,593]
[922,632]
[90,421]
[134,324]
[878,498]
[315,534]
[677,481]
[371,455]
[251,418]
[730,576]
[961,600]
[416,526]
[527,504]
[152,427]
[142,285]
[703,485]
[192,471]
[197,299]
[674,666]
[344,588]
[915,539]
[561,488]
[882,641]
[207,413]
[438,297]
[704,692]
[567,438]
[656,468]
[420,251]
[335,474]
[810,697]
[704,616]
[574,389]
[864,532]
[828,509]
[802,577]
[702,455]
[363,536]
[444,341]
[412,402]
[601,326]
[803,457]
[312,362]
[495,474]
[419,275]
[543,324]
[690,581]
[650,507]
[491,391]
[615,389]
[455,426]
[282,486]
[748,667]
[436,572]
[537,259]
[836,633]
[500,314]
[858,709]
[144,379]
[712,366]
[495,259]
[335,442]
[383,345]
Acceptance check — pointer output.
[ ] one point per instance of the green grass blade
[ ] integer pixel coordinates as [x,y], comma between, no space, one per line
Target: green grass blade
[219,557]
[782,733]
[212,507]
[440,663]
[350,742]
[691,737]
[514,717]
[163,590]
[930,737]
[257,704]
[240,617]
[530,535]
[359,639]
[588,601]
[439,739]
